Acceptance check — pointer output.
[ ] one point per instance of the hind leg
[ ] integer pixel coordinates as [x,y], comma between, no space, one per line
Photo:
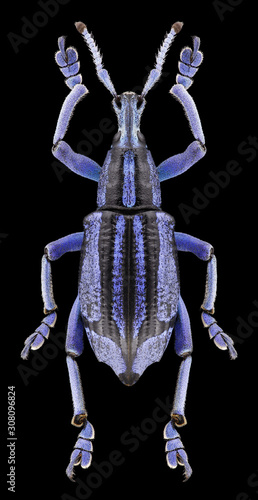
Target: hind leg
[74,347]
[183,347]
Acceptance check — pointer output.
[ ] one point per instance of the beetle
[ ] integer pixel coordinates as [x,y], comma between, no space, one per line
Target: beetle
[129,299]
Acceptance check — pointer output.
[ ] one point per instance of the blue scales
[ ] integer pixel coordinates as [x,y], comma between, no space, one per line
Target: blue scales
[129,302]
[129,194]
[132,319]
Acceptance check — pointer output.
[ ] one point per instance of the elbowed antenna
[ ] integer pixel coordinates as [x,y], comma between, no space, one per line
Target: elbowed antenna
[155,73]
[97,58]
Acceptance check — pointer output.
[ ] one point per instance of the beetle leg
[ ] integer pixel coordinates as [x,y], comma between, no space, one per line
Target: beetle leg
[190,60]
[205,251]
[188,66]
[37,339]
[175,450]
[82,450]
[183,347]
[79,164]
[186,100]
[76,94]
[178,164]
[53,251]
[68,62]
[220,338]
[74,347]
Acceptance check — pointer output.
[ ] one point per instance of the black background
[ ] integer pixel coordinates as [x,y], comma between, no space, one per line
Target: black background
[41,203]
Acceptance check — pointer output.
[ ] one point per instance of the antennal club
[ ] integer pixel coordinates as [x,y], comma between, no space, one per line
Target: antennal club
[155,73]
[97,57]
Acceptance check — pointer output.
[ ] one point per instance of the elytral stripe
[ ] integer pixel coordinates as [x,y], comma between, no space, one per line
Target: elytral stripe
[90,274]
[167,286]
[140,277]
[117,281]
[129,196]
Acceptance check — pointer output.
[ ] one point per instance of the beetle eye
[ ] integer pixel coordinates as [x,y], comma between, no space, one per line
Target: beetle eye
[139,102]
[118,101]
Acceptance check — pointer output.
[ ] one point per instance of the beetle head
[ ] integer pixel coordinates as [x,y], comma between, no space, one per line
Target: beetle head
[128,107]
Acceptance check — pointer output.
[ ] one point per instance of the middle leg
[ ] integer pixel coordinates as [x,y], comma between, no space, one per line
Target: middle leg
[205,252]
[53,251]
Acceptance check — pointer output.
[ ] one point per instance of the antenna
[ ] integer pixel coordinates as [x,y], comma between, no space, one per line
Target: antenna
[97,57]
[155,73]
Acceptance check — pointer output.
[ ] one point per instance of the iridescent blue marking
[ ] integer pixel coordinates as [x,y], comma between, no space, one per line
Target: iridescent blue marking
[107,351]
[150,351]
[168,285]
[129,197]
[154,180]
[90,285]
[103,180]
[140,279]
[118,313]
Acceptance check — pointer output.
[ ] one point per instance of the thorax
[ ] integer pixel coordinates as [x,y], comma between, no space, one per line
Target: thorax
[129,180]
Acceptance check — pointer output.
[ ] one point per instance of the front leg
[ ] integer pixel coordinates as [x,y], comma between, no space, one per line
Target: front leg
[205,251]
[53,251]
[178,164]
[69,65]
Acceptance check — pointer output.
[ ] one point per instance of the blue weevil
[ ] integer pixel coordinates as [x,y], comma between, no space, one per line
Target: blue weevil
[129,294]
